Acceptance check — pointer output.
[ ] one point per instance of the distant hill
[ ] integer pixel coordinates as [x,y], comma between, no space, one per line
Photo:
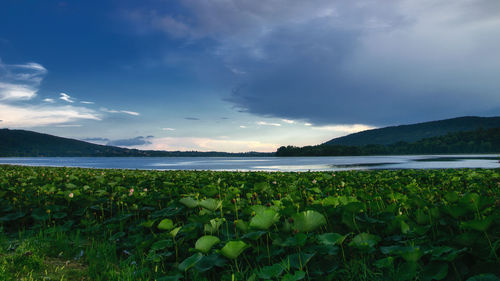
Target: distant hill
[477,141]
[415,132]
[21,143]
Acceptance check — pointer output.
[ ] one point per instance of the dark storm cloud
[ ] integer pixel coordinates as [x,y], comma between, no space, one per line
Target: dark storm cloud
[140,140]
[332,62]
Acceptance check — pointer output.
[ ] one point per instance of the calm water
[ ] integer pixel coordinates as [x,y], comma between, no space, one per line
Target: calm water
[267,163]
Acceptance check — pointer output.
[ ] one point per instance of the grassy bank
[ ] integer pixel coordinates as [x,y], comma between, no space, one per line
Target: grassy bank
[87,224]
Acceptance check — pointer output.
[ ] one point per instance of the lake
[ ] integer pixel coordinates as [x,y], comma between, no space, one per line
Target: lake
[335,163]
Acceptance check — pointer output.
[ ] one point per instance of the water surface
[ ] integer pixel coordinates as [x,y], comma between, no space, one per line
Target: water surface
[334,163]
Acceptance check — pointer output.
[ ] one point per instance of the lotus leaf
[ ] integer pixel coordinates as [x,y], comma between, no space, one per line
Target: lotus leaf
[210,204]
[331,239]
[435,271]
[264,219]
[189,202]
[272,271]
[298,260]
[308,221]
[190,262]
[205,243]
[365,241]
[208,262]
[166,224]
[174,231]
[233,249]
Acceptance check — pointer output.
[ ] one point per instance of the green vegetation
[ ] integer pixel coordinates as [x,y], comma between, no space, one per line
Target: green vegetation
[21,143]
[479,141]
[88,224]
[415,132]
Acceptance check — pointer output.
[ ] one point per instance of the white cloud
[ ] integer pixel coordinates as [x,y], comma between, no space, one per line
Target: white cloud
[288,121]
[120,111]
[243,127]
[65,97]
[14,92]
[345,128]
[263,123]
[307,124]
[208,144]
[130,112]
[43,115]
[168,129]
[68,125]
[33,66]
[19,83]
[87,102]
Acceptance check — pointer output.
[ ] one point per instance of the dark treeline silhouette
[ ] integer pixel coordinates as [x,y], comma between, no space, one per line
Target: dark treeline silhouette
[478,141]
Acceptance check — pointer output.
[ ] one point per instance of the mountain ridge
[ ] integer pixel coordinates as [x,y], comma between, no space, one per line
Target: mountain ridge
[24,143]
[417,131]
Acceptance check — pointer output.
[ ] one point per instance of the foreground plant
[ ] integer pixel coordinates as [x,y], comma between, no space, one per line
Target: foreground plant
[181,225]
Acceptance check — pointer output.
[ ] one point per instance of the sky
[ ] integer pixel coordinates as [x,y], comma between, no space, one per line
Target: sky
[239,75]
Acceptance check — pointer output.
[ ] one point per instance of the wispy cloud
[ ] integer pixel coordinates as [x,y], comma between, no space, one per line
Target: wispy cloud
[19,85]
[13,92]
[192,118]
[65,97]
[87,102]
[168,129]
[20,81]
[130,112]
[68,125]
[43,115]
[243,126]
[263,123]
[133,113]
[345,128]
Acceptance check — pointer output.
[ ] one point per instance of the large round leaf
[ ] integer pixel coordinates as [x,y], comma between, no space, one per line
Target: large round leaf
[308,221]
[270,272]
[364,241]
[435,271]
[233,249]
[205,243]
[331,239]
[166,224]
[189,202]
[265,219]
[411,253]
[190,262]
[210,204]
[209,262]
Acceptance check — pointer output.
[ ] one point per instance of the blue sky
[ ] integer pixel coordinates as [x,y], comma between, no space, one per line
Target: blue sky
[237,75]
